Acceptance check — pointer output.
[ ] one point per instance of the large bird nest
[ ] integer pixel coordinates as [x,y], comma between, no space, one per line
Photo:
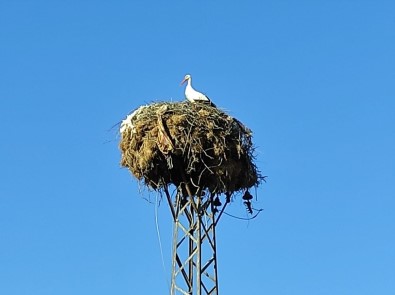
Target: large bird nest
[183,143]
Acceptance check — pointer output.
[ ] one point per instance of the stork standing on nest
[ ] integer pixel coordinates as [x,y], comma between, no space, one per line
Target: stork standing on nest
[195,96]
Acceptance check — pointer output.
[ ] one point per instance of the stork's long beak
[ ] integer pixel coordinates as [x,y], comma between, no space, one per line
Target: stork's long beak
[183,81]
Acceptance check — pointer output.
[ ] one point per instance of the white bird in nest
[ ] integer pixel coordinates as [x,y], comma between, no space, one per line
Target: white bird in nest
[195,96]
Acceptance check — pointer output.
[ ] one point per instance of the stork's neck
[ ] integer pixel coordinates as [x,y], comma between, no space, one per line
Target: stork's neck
[189,87]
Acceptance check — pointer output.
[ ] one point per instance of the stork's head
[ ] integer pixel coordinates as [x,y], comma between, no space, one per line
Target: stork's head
[186,78]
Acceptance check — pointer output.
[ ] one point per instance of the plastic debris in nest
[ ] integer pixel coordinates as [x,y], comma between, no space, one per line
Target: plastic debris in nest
[180,142]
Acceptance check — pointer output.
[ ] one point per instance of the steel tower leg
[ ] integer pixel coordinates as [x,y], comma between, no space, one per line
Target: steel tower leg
[194,267]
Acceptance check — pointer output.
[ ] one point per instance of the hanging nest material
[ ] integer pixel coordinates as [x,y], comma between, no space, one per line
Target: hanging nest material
[180,142]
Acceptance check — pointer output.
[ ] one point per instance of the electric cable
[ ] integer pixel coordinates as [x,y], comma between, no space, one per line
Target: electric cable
[244,218]
[160,241]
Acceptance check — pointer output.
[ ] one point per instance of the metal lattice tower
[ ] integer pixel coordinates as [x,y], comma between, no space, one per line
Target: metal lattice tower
[203,152]
[194,269]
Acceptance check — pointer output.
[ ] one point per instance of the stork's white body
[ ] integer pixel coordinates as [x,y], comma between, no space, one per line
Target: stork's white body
[192,95]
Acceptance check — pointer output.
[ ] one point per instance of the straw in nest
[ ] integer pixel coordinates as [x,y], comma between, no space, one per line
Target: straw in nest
[180,142]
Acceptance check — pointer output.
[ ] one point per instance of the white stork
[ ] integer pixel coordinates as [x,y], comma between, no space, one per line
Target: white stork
[195,96]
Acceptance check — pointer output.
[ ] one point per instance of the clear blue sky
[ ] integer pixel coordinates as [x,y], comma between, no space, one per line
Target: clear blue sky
[314,80]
